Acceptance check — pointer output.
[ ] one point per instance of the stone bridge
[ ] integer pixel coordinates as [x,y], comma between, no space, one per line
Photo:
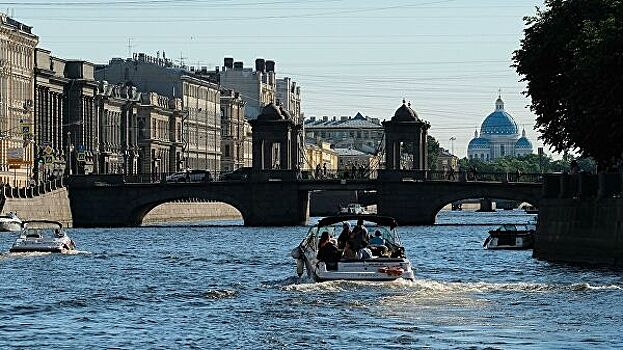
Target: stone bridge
[279,199]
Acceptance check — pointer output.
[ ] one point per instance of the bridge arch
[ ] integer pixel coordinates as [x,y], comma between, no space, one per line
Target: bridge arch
[144,205]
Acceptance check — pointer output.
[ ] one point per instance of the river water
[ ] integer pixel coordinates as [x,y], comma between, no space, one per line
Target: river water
[231,287]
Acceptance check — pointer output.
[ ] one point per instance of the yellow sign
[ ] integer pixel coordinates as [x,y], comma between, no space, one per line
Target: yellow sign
[18,162]
[14,166]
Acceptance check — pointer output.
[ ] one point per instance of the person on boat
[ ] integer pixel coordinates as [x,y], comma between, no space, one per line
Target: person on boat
[377,239]
[358,239]
[342,239]
[327,250]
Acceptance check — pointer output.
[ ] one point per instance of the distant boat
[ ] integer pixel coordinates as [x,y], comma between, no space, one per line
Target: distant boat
[42,236]
[510,236]
[352,208]
[10,222]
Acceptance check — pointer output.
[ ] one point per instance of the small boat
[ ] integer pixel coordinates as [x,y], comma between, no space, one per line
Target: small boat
[386,263]
[42,236]
[352,208]
[510,236]
[10,222]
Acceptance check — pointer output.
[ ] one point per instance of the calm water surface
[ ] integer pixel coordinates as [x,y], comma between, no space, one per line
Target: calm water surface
[232,287]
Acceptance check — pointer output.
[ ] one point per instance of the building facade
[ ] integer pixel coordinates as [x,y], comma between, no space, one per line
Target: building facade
[17,59]
[118,149]
[159,125]
[236,139]
[200,96]
[360,133]
[289,96]
[447,161]
[320,154]
[499,137]
[49,108]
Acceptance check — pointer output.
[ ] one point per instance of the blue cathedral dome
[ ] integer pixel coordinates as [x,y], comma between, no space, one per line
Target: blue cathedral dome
[523,142]
[499,122]
[479,143]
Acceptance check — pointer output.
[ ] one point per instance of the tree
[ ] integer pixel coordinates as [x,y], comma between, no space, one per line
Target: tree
[572,60]
[433,151]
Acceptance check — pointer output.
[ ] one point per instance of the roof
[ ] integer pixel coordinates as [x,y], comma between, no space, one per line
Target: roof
[357,122]
[523,142]
[405,113]
[478,142]
[377,219]
[271,112]
[499,123]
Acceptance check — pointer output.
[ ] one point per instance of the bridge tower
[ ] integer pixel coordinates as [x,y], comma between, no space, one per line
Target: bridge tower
[276,138]
[405,134]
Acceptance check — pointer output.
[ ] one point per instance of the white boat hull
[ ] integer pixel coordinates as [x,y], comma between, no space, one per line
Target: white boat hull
[376,269]
[520,242]
[60,245]
[10,226]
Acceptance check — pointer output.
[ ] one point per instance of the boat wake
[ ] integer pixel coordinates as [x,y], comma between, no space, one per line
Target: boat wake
[431,287]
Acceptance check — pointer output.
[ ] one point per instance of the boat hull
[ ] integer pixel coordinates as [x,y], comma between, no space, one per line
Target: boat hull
[361,270]
[10,226]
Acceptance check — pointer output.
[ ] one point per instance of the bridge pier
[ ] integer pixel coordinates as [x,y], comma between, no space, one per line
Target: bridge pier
[277,204]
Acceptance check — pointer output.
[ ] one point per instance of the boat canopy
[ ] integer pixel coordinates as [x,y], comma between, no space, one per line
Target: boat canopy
[41,224]
[377,219]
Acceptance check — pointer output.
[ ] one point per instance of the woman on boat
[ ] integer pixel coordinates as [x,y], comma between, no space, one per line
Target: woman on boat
[327,250]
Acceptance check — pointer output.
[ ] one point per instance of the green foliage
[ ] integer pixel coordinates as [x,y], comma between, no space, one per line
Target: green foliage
[571,59]
[529,164]
[433,152]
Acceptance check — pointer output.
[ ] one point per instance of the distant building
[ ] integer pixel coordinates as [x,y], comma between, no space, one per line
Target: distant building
[257,88]
[447,161]
[358,132]
[499,137]
[118,149]
[200,95]
[289,96]
[319,153]
[159,124]
[49,108]
[236,140]
[17,59]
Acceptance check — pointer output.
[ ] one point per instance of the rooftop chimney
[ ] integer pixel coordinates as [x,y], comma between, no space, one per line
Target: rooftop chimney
[228,62]
[238,65]
[270,66]
[260,65]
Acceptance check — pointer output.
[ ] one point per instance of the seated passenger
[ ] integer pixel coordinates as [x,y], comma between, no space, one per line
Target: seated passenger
[377,239]
[358,237]
[343,237]
[327,251]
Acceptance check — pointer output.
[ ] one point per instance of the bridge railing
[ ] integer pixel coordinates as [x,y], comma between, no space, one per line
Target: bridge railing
[460,176]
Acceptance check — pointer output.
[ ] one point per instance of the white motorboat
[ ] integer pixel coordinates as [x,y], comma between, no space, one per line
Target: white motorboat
[43,236]
[352,208]
[10,222]
[510,236]
[387,262]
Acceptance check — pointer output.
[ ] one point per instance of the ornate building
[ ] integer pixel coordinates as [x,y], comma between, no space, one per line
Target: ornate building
[499,137]
[200,96]
[17,57]
[159,134]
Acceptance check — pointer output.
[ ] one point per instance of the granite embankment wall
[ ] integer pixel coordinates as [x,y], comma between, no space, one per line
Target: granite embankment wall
[581,220]
[191,211]
[51,205]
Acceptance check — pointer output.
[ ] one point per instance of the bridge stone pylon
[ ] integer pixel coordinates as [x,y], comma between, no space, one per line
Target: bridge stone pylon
[276,138]
[405,134]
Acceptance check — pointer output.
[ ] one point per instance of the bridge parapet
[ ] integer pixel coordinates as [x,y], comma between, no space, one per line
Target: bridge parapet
[583,185]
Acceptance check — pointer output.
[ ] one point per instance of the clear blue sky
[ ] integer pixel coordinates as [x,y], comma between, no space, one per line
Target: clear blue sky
[449,58]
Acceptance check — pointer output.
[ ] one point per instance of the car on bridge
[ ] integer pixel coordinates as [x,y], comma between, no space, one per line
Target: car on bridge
[191,175]
[237,175]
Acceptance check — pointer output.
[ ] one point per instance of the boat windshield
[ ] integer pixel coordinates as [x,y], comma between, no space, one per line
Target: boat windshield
[388,234]
[39,229]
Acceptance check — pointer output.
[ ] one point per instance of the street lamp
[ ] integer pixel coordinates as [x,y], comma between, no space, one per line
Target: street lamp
[452,139]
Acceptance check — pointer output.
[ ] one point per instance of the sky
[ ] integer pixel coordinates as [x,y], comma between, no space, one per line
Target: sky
[449,58]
